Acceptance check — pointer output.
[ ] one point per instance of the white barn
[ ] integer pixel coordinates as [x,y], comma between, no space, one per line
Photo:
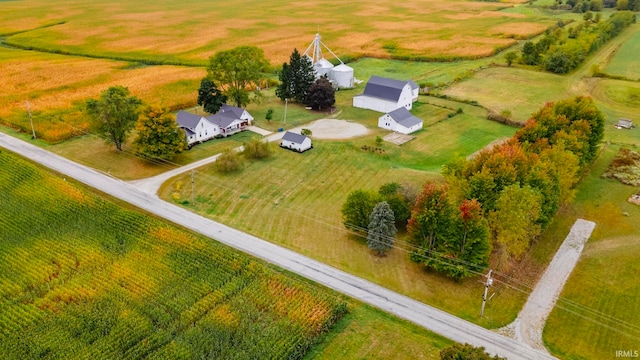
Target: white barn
[385,95]
[297,142]
[400,120]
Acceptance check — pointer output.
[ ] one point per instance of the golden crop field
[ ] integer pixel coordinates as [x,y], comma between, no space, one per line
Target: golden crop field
[81,48]
[193,30]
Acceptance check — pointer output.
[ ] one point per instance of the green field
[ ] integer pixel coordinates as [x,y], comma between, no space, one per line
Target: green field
[92,279]
[82,277]
[599,312]
[625,61]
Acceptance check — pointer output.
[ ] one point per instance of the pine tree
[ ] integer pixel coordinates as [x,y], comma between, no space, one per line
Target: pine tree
[296,78]
[381,229]
[283,90]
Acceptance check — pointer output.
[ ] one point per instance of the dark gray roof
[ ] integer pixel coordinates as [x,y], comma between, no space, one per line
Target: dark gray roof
[227,109]
[187,120]
[413,84]
[403,117]
[293,137]
[222,120]
[383,88]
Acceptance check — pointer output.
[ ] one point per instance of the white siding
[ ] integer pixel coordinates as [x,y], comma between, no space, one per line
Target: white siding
[306,145]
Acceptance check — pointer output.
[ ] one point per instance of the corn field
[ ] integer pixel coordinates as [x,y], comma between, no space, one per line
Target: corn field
[81,277]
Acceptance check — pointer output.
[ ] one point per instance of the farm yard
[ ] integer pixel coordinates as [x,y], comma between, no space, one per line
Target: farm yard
[58,59]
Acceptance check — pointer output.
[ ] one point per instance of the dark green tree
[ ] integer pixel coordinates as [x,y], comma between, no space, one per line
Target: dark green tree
[381,229]
[238,71]
[296,78]
[321,95]
[210,97]
[558,61]
[530,54]
[158,135]
[269,115]
[283,90]
[114,114]
[396,196]
[357,209]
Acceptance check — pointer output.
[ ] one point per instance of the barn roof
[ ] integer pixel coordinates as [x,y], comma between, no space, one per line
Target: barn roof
[293,137]
[403,117]
[384,88]
[187,120]
[413,84]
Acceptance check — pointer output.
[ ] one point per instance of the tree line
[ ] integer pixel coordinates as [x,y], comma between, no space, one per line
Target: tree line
[497,202]
[563,49]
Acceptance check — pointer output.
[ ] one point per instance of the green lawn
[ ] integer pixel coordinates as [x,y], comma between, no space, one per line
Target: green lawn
[297,199]
[625,61]
[599,312]
[518,90]
[100,155]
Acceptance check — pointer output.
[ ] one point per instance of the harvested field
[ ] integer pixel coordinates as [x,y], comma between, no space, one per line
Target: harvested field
[193,31]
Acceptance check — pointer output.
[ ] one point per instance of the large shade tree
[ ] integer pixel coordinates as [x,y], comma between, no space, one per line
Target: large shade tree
[321,94]
[158,135]
[114,114]
[238,71]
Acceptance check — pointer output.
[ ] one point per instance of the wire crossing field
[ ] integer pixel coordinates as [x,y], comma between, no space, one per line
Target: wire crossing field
[83,278]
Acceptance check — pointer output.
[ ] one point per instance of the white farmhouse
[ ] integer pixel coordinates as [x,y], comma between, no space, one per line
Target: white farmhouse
[297,142]
[385,95]
[227,121]
[197,128]
[238,113]
[400,120]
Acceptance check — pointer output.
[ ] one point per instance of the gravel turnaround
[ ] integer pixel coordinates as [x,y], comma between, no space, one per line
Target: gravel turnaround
[426,316]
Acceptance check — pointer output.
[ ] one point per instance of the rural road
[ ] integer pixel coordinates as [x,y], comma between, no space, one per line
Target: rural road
[428,317]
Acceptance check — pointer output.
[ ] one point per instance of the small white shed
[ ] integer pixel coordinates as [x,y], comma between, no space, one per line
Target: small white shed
[297,142]
[400,120]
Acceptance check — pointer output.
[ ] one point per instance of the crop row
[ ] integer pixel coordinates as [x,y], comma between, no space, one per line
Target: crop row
[83,278]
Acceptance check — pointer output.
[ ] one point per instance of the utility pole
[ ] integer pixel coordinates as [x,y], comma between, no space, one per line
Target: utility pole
[285,111]
[193,185]
[486,289]
[33,131]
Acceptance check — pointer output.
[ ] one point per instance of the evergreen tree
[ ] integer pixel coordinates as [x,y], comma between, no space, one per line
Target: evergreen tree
[381,229]
[296,78]
[158,135]
[210,97]
[395,195]
[283,90]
